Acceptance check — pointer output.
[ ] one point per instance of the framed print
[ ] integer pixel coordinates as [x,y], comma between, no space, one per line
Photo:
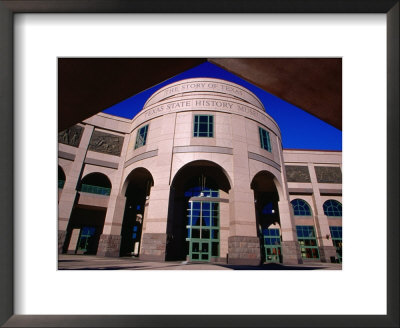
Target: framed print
[236,305]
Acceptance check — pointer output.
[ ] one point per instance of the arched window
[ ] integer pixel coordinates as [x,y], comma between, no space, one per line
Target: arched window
[96,183]
[332,208]
[301,207]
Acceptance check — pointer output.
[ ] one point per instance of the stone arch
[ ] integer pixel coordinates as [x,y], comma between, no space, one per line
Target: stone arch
[138,172]
[91,169]
[276,180]
[95,182]
[207,184]
[205,163]
[266,196]
[136,188]
[87,218]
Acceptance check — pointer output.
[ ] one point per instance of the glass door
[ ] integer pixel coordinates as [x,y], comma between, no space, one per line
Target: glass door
[272,245]
[308,242]
[202,230]
[336,233]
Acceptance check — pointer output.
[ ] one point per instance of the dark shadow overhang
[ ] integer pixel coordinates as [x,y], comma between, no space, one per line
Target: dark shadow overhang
[87,86]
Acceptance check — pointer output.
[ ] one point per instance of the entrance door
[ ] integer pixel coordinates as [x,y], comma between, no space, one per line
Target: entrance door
[308,242]
[272,245]
[336,233]
[85,238]
[202,230]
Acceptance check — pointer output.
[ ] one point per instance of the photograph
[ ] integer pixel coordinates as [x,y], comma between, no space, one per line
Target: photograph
[200,164]
[150,146]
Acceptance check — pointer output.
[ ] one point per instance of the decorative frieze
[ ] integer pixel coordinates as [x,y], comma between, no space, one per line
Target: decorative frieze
[106,143]
[328,174]
[296,173]
[71,136]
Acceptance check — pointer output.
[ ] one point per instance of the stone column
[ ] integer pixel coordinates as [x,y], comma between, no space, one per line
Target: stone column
[243,242]
[290,245]
[68,195]
[154,233]
[326,248]
[110,240]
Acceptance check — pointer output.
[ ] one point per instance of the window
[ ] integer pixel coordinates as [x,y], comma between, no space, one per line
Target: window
[199,192]
[301,207]
[264,139]
[202,230]
[95,183]
[141,136]
[272,245]
[336,233]
[308,242]
[203,126]
[332,208]
[95,189]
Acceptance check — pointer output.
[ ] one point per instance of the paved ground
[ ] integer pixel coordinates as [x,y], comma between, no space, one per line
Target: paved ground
[86,262]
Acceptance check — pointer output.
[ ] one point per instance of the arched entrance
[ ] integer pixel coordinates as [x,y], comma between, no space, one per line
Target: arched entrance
[267,216]
[137,190]
[198,192]
[87,218]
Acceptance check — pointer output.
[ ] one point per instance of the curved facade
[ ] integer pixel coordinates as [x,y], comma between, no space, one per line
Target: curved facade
[200,175]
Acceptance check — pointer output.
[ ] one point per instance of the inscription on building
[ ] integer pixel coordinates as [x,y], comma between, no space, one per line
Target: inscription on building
[106,143]
[297,173]
[194,86]
[327,174]
[205,104]
[71,136]
[206,86]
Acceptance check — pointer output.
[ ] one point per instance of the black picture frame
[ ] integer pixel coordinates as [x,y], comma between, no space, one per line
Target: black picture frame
[10,7]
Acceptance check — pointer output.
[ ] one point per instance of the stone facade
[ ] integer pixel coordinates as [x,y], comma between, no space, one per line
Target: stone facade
[244,250]
[130,183]
[154,246]
[109,245]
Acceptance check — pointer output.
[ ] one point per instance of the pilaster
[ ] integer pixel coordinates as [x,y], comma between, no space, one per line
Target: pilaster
[68,195]
[323,233]
[290,245]
[154,233]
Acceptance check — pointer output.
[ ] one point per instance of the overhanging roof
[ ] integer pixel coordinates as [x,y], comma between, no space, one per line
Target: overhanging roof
[87,86]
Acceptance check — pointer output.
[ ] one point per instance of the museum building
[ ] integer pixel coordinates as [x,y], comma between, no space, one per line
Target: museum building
[199,174]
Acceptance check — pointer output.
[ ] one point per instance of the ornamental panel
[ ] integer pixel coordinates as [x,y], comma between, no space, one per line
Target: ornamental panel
[328,174]
[297,173]
[106,143]
[71,136]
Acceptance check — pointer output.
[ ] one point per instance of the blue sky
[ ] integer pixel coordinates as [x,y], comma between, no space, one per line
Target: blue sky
[299,129]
